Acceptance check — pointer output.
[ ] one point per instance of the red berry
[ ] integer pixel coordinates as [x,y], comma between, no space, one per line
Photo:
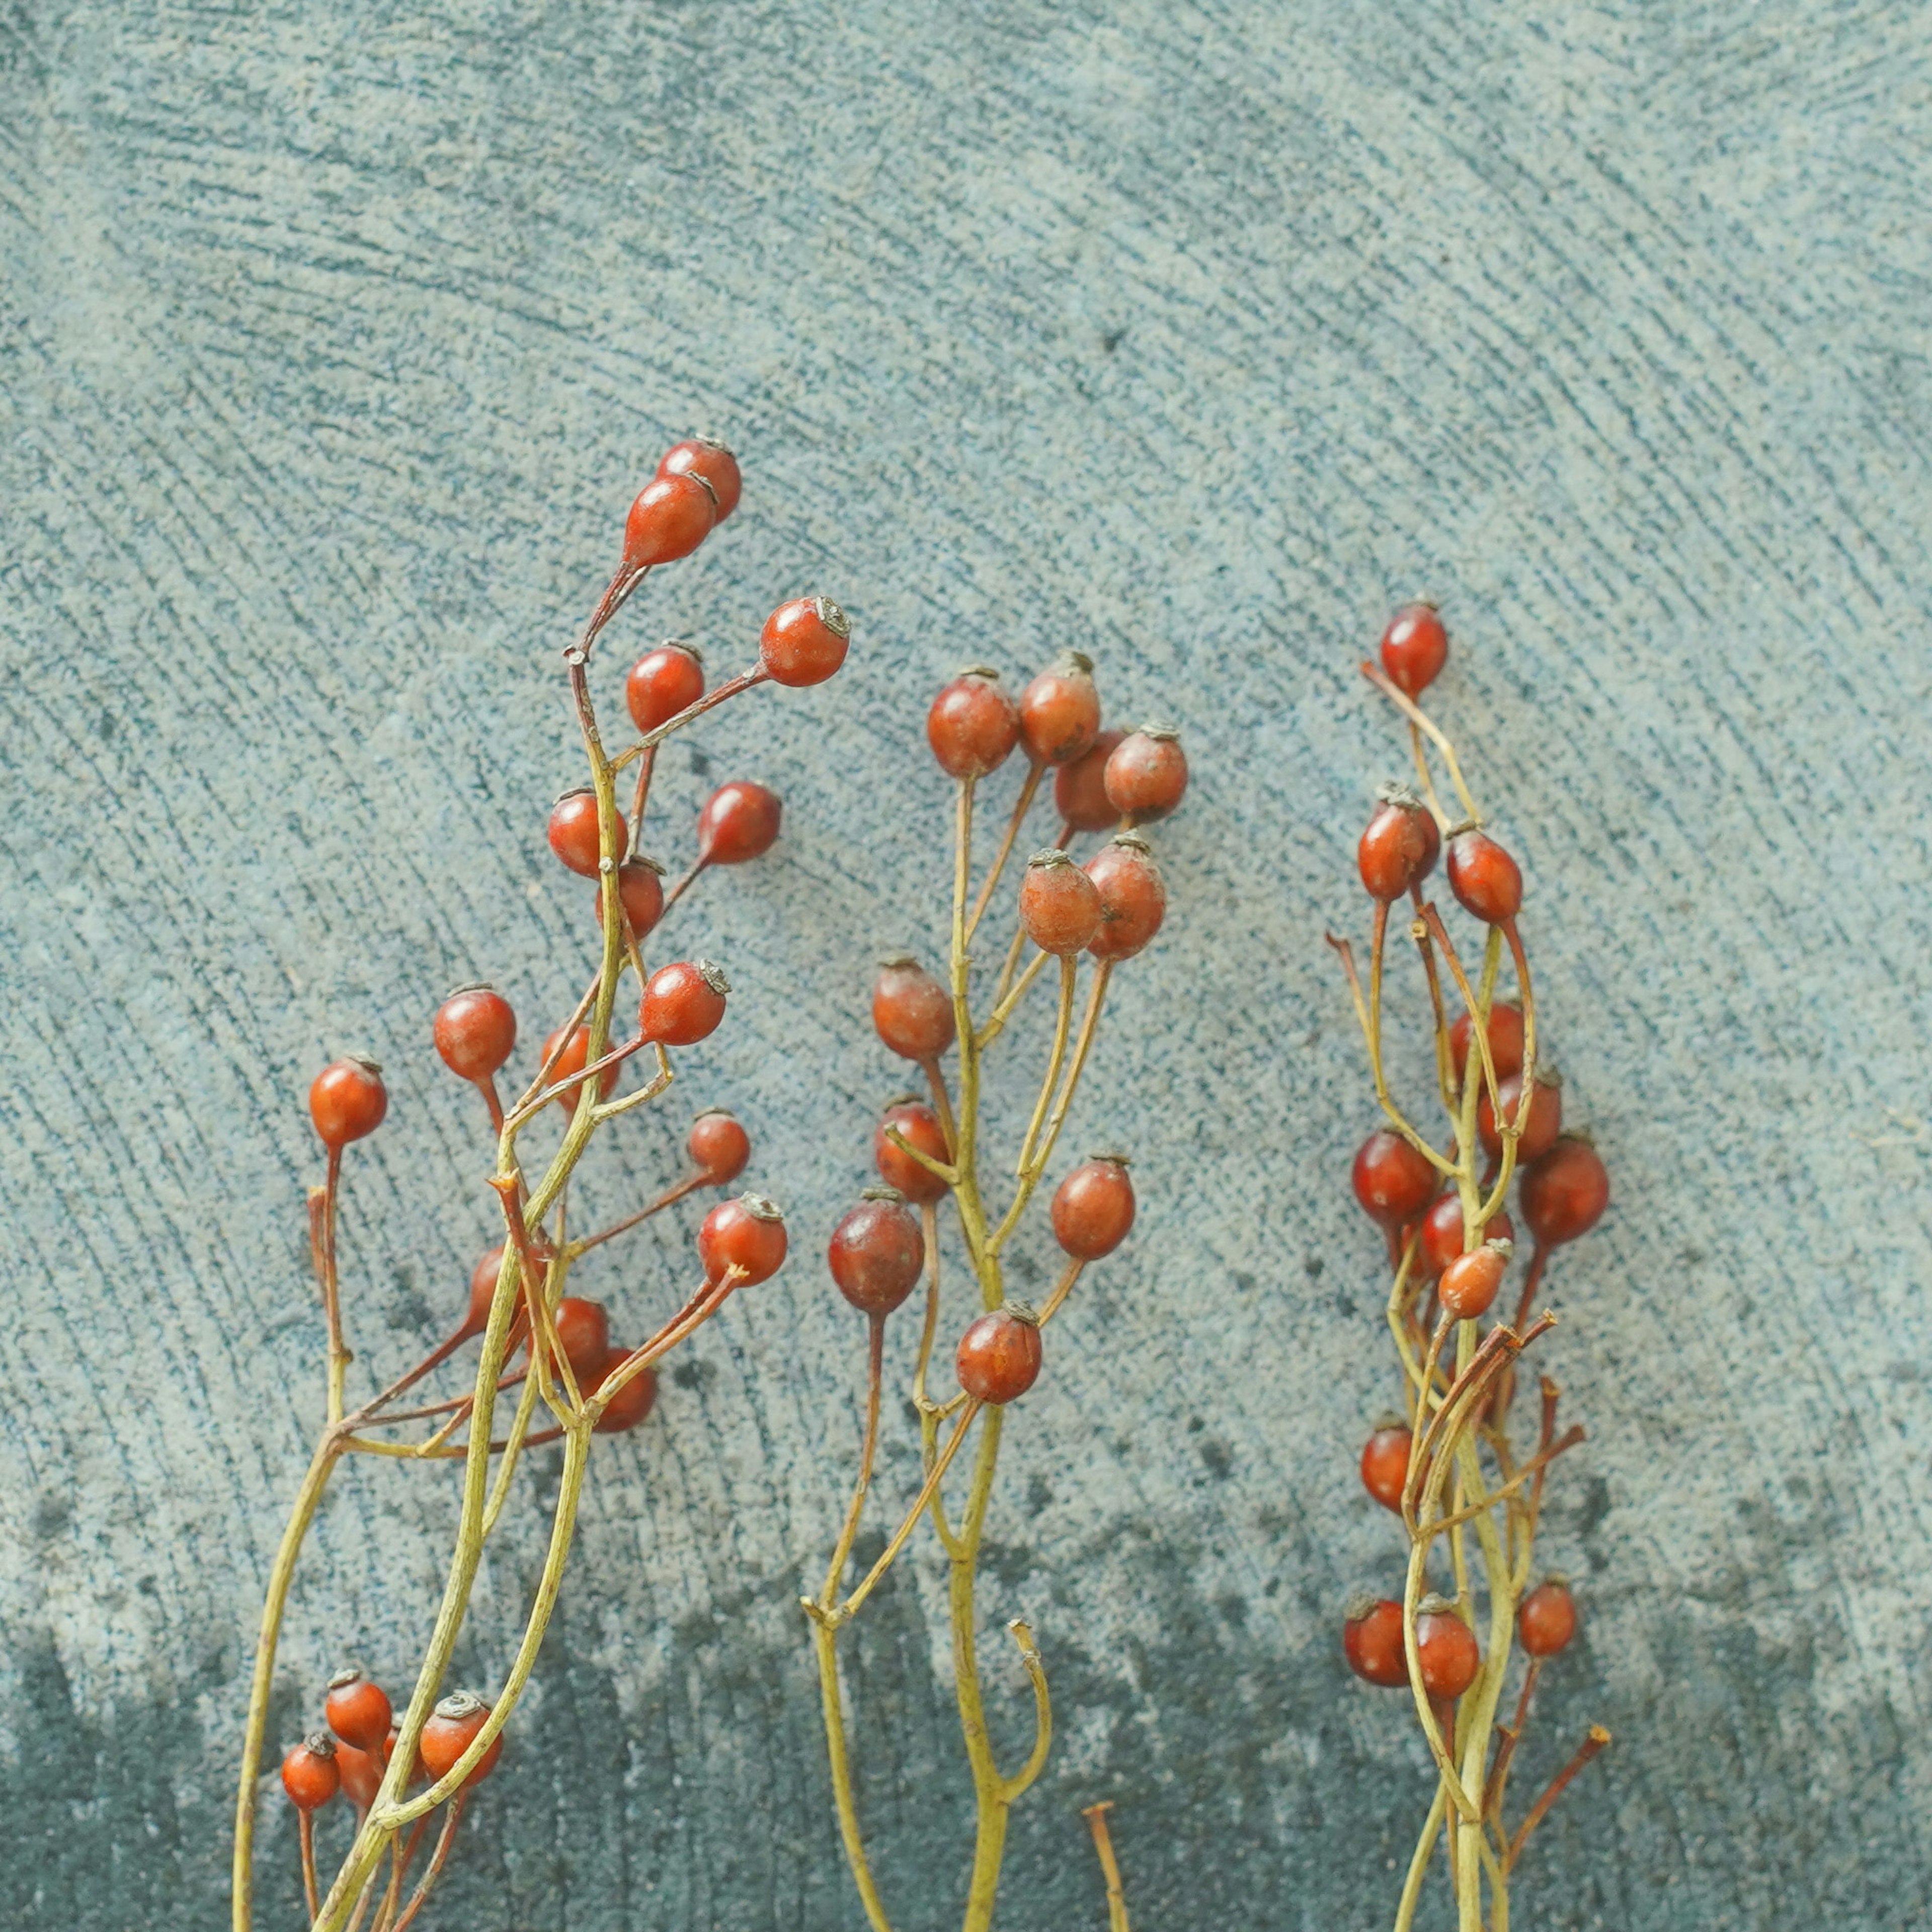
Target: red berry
[998,1358]
[631,1404]
[1546,1619]
[361,1771]
[805,641]
[1446,1648]
[1443,1238]
[1093,1207]
[1400,846]
[1470,1281]
[918,1126]
[1484,877]
[719,1146]
[912,1011]
[1393,1181]
[573,832]
[1506,1040]
[1565,1192]
[573,1059]
[663,683]
[1371,1640]
[483,1289]
[683,1002]
[1146,773]
[310,1774]
[973,725]
[583,1334]
[641,893]
[739,821]
[1133,898]
[452,1725]
[1385,1464]
[346,1100]
[1059,905]
[1060,712]
[357,1711]
[1080,786]
[474,1031]
[748,1234]
[1414,648]
[876,1251]
[711,462]
[672,516]
[1537,1122]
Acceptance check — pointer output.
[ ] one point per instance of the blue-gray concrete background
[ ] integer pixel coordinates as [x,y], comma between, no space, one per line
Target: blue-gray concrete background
[336,339]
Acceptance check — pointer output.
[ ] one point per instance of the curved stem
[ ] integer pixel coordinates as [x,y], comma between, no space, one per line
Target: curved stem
[1096,1815]
[875,1354]
[825,1638]
[1022,1780]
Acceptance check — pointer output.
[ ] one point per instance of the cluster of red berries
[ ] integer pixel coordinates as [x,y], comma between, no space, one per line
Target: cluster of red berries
[353,1750]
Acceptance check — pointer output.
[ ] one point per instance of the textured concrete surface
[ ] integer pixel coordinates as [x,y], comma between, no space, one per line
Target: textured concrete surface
[336,339]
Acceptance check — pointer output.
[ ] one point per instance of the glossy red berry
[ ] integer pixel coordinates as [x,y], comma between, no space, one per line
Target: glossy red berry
[1393,1181]
[1415,647]
[1146,774]
[361,1771]
[474,1031]
[1060,712]
[1398,846]
[1093,1207]
[876,1251]
[310,1774]
[631,1404]
[573,832]
[805,641]
[998,1357]
[663,683]
[1445,1648]
[739,821]
[1371,1640]
[712,463]
[572,1059]
[346,1100]
[719,1146]
[1565,1192]
[1537,1122]
[357,1711]
[1385,1464]
[1484,878]
[911,1011]
[973,725]
[1546,1619]
[683,1002]
[1080,786]
[1443,1238]
[1133,897]
[1059,905]
[671,517]
[918,1126]
[748,1234]
[452,1727]
[583,1334]
[641,893]
[1506,1040]
[1470,1281]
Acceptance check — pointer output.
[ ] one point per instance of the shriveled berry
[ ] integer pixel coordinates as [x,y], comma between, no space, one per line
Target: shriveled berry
[1371,1640]
[1385,1464]
[583,1334]
[1565,1192]
[474,1030]
[452,1729]
[641,893]
[1443,1238]
[1146,774]
[1507,1040]
[631,1404]
[876,1251]
[739,821]
[573,832]
[662,682]
[1059,711]
[310,1774]
[1484,877]
[973,725]
[918,1126]
[1393,1181]
[357,1711]
[748,1234]
[1080,786]
[999,1355]
[671,517]
[805,641]
[1398,846]
[1537,1121]
[1445,1648]
[719,1146]
[1059,905]
[1470,1281]
[712,463]
[1546,1619]
[911,1011]
[1133,897]
[1093,1206]
[683,1002]
[1415,647]
[346,1100]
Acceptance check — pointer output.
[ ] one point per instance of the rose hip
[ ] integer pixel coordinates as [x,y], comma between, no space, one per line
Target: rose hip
[1470,1281]
[739,821]
[918,1126]
[1564,1191]
[672,516]
[1443,1238]
[999,1355]
[663,683]
[1445,1648]
[683,1002]
[805,641]
[1537,1122]
[573,832]
[1059,905]
[640,894]
[1546,1619]
[712,463]
[1393,1181]
[1506,1039]
[911,1011]
[1146,774]
[1093,1207]
[310,1774]
[1080,786]
[748,1234]
[1415,647]
[346,1101]
[1133,897]
[876,1251]
[1399,848]
[452,1728]
[1059,711]
[719,1146]
[1371,1640]
[474,1031]
[631,1404]
[583,1334]
[357,1711]
[1385,1462]
[973,725]
[1486,880]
